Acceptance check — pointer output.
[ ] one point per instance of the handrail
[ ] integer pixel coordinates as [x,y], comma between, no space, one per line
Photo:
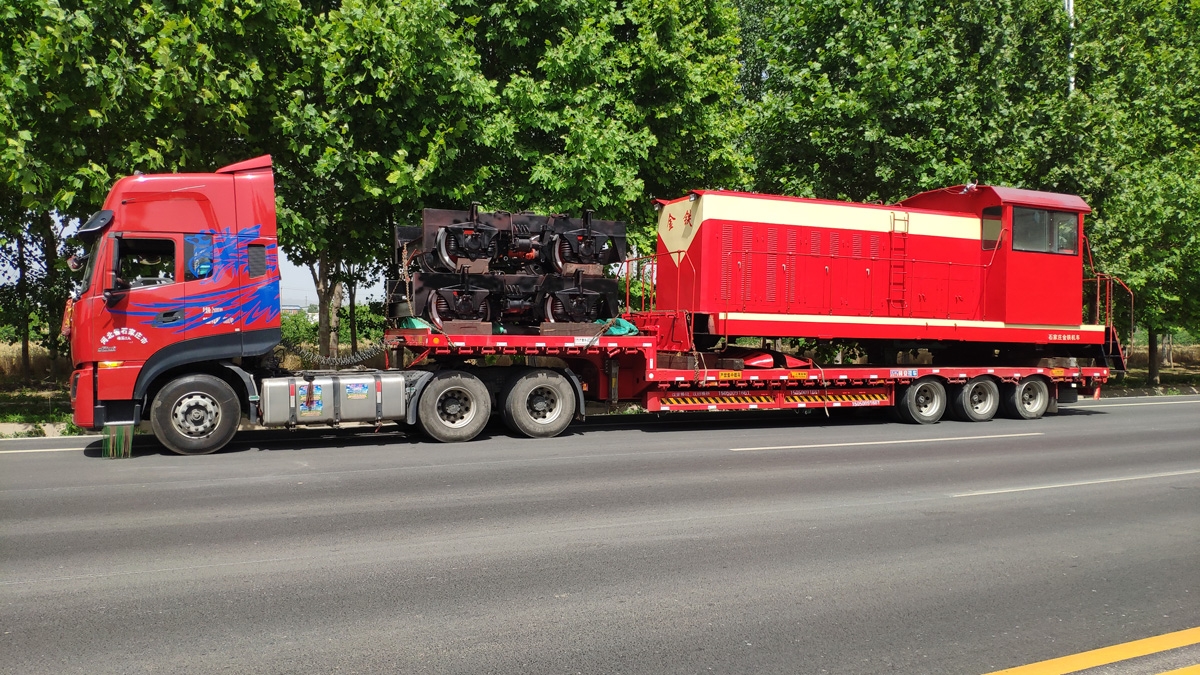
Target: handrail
[1107,280]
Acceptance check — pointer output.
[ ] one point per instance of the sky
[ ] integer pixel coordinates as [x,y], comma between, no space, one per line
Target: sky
[296,285]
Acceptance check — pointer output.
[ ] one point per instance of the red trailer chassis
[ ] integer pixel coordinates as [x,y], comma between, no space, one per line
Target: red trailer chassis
[612,370]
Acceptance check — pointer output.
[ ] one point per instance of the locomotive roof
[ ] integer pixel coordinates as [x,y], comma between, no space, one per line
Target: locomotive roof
[963,198]
[959,198]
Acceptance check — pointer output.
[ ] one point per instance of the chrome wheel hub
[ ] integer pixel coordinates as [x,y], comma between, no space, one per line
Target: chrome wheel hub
[196,414]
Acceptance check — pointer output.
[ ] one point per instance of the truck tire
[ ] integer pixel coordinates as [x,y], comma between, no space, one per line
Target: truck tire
[922,402]
[454,406]
[195,414]
[1027,399]
[977,400]
[539,404]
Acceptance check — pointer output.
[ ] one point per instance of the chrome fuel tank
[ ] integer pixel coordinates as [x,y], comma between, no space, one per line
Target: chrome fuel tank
[330,398]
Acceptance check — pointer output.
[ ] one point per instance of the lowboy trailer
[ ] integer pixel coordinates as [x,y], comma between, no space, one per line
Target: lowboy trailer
[177,320]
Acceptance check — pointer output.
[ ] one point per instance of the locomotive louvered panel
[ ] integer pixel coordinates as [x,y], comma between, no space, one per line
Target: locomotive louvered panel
[814,242]
[835,240]
[726,258]
[790,276]
[857,245]
[772,262]
[875,246]
[748,263]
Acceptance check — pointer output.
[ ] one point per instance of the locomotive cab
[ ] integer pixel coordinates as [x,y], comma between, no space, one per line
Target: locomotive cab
[1030,248]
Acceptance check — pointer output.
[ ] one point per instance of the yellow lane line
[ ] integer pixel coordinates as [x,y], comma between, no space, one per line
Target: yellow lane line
[1167,474]
[913,440]
[1107,655]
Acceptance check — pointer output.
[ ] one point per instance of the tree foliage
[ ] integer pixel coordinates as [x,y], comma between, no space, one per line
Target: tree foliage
[874,100]
[376,110]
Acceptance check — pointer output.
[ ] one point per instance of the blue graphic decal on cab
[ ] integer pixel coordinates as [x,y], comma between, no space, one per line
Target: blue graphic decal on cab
[217,259]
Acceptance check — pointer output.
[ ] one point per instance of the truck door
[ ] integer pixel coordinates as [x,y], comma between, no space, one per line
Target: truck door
[136,313]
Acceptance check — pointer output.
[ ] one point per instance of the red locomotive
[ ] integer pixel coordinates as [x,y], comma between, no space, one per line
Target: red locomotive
[969,269]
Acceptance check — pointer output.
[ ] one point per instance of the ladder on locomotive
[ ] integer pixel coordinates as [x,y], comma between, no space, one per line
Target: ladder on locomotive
[898,265]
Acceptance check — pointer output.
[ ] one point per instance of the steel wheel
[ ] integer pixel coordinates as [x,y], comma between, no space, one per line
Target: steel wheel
[539,404]
[195,414]
[543,405]
[454,406]
[1027,399]
[977,400]
[922,402]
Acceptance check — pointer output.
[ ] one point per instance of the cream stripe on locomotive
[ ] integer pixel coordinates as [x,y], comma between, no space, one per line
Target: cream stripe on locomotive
[901,321]
[679,221]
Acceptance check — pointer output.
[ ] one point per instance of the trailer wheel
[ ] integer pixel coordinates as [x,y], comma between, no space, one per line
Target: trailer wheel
[922,402]
[195,414]
[1027,399]
[539,404]
[454,406]
[977,400]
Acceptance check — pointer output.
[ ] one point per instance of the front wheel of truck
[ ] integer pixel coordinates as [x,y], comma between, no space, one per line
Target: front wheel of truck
[195,414]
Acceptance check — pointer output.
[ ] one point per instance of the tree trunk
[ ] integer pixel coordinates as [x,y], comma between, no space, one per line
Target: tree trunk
[321,274]
[54,298]
[335,321]
[351,290]
[23,308]
[1152,367]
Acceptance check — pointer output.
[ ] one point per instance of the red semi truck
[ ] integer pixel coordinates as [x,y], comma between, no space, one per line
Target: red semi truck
[177,319]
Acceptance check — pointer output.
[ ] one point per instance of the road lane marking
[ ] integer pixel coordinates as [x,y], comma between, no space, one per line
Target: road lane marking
[1083,482]
[1107,655]
[910,440]
[1126,405]
[18,452]
[182,568]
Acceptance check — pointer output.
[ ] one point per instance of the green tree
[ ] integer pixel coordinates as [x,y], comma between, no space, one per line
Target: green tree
[94,89]
[603,105]
[372,123]
[870,100]
[1139,72]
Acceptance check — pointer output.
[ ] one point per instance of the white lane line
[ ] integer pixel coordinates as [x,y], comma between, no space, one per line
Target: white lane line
[911,440]
[184,568]
[18,452]
[1125,405]
[1083,482]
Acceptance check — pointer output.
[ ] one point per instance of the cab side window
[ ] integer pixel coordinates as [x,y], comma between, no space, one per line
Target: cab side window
[146,262]
[197,256]
[1045,231]
[992,227]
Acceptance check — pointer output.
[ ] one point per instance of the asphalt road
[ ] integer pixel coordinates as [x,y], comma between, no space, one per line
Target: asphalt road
[627,547]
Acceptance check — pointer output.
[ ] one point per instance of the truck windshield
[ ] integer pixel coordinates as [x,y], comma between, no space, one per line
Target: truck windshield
[87,270]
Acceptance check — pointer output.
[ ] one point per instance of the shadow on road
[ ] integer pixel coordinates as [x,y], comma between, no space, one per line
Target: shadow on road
[277,440]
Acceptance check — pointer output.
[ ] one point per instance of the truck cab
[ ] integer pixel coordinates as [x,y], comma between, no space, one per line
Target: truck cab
[180,289]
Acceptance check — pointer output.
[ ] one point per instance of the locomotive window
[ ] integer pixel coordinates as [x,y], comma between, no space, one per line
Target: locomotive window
[991,227]
[1045,231]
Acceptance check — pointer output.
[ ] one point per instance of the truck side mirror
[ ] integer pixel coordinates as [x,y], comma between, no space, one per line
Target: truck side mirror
[117,287]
